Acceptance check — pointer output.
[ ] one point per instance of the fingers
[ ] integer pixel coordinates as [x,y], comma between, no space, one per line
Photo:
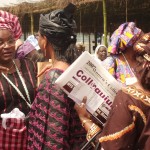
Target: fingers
[4,69]
[82,105]
[84,100]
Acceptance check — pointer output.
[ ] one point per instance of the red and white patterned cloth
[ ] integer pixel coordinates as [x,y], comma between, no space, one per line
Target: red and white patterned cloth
[14,136]
[10,21]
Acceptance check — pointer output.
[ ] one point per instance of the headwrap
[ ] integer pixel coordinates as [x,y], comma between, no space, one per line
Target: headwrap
[125,36]
[24,49]
[58,26]
[96,50]
[143,44]
[10,21]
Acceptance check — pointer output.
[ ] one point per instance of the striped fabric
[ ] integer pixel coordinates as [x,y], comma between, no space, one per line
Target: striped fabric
[14,136]
[10,21]
[9,98]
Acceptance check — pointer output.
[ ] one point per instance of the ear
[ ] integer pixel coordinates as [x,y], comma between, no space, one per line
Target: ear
[45,42]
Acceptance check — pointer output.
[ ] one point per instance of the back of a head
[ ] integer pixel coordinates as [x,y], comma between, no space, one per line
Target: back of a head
[59,28]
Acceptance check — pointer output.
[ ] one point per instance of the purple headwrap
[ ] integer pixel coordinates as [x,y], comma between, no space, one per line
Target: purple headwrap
[125,36]
[24,49]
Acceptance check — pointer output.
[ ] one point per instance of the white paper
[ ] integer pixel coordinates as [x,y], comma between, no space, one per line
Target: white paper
[15,113]
[87,77]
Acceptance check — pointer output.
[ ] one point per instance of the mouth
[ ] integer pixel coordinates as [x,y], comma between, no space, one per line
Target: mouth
[8,54]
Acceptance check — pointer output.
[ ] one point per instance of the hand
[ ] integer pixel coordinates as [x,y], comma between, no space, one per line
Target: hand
[45,69]
[4,69]
[81,110]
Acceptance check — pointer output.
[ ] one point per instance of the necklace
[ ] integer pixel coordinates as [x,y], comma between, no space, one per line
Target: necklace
[130,80]
[11,66]
[17,89]
[128,65]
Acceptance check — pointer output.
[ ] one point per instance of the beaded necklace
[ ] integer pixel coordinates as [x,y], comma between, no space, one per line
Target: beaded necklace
[17,89]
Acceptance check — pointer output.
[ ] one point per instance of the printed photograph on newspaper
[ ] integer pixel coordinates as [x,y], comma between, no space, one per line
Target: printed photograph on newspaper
[87,77]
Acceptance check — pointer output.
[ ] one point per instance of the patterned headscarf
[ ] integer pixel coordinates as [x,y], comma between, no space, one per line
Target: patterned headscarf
[10,21]
[142,49]
[143,44]
[125,36]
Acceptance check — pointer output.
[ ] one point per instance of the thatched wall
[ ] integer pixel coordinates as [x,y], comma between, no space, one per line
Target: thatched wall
[89,15]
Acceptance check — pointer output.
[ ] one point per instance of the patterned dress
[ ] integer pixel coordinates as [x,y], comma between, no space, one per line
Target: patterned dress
[54,123]
[128,125]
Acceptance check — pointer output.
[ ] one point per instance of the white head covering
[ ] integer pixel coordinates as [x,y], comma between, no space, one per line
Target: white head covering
[96,50]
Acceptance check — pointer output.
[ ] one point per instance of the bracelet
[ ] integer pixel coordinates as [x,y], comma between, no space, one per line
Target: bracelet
[92,131]
[84,121]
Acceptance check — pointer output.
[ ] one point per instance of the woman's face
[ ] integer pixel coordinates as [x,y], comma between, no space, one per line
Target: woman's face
[102,53]
[7,46]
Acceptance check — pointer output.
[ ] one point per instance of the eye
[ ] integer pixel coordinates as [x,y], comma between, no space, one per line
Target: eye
[11,41]
[1,42]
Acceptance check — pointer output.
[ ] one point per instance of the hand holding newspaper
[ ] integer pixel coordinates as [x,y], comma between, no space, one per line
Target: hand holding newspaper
[87,77]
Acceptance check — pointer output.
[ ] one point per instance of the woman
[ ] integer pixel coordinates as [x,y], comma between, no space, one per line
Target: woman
[101,52]
[123,38]
[54,124]
[17,84]
[127,126]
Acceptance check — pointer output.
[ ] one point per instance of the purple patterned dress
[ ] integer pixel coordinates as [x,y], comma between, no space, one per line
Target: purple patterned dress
[54,124]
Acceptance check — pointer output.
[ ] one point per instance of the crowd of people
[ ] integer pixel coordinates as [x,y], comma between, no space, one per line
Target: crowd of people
[51,119]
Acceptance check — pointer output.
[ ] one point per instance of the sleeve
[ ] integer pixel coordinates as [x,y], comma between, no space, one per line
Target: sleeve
[120,126]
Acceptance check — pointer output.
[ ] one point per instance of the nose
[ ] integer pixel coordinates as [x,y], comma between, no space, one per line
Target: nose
[5,45]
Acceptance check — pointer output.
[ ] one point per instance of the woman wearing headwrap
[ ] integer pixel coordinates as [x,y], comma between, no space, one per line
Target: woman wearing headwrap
[17,85]
[101,52]
[54,124]
[128,124]
[122,41]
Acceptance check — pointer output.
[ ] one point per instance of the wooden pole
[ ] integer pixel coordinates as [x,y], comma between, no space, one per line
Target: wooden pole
[105,22]
[80,21]
[126,10]
[89,43]
[32,23]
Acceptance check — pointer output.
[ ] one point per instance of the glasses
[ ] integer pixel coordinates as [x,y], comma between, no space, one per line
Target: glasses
[10,42]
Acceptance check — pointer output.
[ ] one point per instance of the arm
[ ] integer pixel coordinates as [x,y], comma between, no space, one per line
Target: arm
[120,125]
[87,123]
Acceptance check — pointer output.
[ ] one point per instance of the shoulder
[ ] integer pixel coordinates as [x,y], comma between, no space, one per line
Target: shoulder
[137,94]
[53,74]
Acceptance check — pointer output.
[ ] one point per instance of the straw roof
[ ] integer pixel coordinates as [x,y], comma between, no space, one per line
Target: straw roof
[25,7]
[86,9]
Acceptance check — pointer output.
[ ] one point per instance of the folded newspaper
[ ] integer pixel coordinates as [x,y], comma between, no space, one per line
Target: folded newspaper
[87,77]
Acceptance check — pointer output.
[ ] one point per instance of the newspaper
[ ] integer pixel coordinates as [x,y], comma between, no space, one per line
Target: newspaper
[87,77]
